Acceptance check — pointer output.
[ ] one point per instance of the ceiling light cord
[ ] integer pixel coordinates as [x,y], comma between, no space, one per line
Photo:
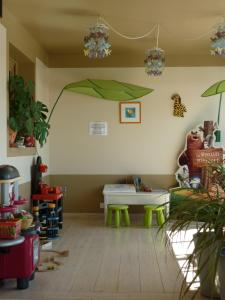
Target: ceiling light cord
[196,38]
[157,37]
[200,36]
[126,36]
[150,32]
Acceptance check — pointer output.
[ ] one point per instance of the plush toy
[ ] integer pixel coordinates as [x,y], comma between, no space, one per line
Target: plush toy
[208,129]
[178,107]
[194,142]
[182,176]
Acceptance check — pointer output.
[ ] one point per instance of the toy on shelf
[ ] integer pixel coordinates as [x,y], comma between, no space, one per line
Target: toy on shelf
[47,203]
[19,244]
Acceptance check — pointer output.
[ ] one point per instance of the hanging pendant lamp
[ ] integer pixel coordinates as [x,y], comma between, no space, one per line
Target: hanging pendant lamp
[155,59]
[96,44]
[218,41]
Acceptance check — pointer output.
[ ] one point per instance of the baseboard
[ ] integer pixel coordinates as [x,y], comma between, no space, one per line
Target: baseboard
[69,215]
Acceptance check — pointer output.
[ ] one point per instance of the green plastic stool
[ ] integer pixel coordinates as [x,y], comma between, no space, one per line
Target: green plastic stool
[118,209]
[149,209]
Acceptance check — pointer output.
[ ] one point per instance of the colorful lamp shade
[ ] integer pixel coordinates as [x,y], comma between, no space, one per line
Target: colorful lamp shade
[218,41]
[96,44]
[155,61]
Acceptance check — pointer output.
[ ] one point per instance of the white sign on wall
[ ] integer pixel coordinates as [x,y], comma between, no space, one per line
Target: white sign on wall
[98,128]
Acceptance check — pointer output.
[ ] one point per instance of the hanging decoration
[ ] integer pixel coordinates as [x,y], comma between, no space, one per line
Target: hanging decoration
[218,41]
[96,44]
[155,59]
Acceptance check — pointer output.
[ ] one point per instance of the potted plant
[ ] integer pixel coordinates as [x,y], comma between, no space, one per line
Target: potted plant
[27,117]
[206,211]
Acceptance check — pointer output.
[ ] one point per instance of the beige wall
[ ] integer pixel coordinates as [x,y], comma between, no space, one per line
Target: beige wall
[84,192]
[151,147]
[21,38]
[85,163]
[22,163]
[42,94]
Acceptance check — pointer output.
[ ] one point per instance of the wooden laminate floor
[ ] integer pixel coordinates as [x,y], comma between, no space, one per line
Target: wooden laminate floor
[105,264]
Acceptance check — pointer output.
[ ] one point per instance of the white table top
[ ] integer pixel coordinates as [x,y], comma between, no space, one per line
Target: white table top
[119,188]
[128,189]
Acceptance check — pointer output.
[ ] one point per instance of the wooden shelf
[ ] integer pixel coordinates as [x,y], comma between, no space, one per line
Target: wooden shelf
[29,151]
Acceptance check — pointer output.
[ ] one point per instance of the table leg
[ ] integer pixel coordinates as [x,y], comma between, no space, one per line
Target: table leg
[105,211]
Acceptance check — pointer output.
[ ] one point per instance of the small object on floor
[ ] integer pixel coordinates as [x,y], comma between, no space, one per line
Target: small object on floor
[52,260]
[49,263]
[46,245]
[64,253]
[46,267]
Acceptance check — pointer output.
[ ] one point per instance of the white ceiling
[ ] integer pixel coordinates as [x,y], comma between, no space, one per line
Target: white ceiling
[60,25]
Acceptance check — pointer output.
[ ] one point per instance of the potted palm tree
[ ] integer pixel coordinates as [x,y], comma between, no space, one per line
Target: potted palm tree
[27,117]
[206,211]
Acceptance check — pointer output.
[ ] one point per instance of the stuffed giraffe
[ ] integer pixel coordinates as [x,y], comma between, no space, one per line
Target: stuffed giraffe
[178,107]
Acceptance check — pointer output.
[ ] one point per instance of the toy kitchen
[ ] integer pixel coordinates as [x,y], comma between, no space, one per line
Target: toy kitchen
[19,241]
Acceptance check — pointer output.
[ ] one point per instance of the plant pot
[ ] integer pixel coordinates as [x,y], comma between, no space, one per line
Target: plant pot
[12,137]
[222,274]
[209,284]
[20,142]
[29,141]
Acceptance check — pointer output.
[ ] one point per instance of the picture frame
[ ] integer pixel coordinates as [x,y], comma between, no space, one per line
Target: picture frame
[130,112]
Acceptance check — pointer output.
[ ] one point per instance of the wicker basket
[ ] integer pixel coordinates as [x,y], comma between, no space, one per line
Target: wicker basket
[26,223]
[10,229]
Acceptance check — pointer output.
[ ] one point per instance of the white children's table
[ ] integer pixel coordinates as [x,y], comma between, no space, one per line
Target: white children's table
[126,194]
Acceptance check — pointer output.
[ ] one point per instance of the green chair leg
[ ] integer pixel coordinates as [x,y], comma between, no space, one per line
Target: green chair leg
[109,217]
[160,217]
[126,217]
[117,218]
[118,210]
[148,218]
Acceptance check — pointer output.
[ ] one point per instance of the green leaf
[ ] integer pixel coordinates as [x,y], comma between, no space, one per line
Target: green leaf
[13,124]
[25,114]
[29,126]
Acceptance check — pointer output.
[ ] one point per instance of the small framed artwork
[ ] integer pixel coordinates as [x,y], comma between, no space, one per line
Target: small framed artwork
[130,112]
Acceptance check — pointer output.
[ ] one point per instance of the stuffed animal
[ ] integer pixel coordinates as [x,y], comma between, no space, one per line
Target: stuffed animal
[178,107]
[182,176]
[208,129]
[194,142]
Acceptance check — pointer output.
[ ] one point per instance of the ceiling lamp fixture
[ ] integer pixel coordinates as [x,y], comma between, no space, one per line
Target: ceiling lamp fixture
[155,59]
[96,44]
[218,41]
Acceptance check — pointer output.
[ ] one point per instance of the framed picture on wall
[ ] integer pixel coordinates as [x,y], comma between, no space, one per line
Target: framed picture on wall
[130,112]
